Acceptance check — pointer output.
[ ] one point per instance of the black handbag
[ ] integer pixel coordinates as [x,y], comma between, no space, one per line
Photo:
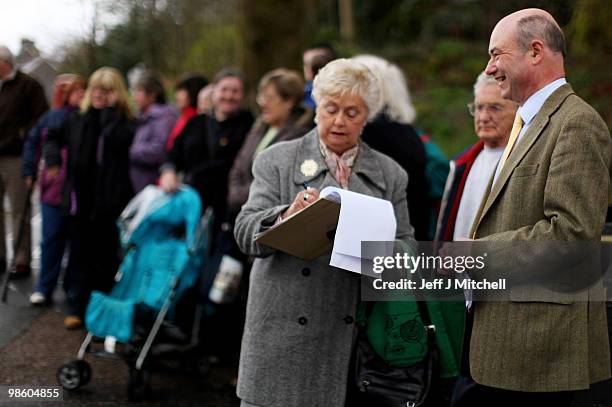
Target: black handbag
[376,383]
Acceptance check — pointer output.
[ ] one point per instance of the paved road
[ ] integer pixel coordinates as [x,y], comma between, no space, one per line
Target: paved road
[33,358]
[34,343]
[15,319]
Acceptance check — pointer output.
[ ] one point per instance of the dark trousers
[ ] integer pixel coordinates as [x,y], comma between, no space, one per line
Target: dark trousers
[476,395]
[468,393]
[55,241]
[96,246]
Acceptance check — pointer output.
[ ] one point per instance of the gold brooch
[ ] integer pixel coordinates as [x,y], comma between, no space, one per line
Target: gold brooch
[309,168]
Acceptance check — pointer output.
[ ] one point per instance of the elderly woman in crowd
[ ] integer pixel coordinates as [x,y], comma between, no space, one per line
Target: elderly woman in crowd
[282,118]
[300,326]
[97,185]
[155,122]
[391,133]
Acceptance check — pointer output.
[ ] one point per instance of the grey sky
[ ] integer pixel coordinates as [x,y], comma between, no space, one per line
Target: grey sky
[49,23]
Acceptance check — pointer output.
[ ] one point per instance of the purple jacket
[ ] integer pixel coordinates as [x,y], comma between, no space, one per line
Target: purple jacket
[148,151]
[50,188]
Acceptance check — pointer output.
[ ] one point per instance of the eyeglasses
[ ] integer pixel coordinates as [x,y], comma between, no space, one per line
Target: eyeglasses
[492,108]
[262,99]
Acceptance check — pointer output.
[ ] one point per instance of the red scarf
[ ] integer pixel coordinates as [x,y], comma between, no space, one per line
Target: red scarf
[186,114]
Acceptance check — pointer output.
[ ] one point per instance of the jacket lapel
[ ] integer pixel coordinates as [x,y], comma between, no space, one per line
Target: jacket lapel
[366,167]
[537,126]
[310,164]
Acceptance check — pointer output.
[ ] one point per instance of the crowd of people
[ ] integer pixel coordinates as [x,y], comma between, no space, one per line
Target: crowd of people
[539,170]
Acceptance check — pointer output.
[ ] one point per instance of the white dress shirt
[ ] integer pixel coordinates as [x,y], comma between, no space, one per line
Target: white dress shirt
[530,108]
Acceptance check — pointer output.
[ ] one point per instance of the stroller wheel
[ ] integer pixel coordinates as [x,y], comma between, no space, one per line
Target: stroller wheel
[139,384]
[85,370]
[74,374]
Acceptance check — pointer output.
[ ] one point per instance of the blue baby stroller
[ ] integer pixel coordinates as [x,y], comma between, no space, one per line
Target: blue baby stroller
[166,240]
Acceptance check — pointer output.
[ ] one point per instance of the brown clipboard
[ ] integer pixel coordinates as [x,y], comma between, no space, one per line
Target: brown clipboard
[306,234]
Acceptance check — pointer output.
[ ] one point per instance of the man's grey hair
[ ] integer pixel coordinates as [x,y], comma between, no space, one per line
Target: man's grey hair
[483,80]
[6,55]
[540,28]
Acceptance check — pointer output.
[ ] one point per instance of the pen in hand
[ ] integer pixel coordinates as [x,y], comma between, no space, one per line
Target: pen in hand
[302,200]
[306,195]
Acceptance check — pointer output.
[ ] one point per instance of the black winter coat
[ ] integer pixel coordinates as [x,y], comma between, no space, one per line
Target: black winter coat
[98,161]
[205,151]
[402,143]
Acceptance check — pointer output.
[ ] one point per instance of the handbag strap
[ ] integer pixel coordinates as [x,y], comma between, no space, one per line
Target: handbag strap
[430,328]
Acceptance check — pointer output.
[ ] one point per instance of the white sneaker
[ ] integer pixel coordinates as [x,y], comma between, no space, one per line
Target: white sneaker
[38,298]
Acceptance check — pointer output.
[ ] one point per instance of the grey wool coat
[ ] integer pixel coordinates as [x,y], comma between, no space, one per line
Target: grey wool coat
[298,334]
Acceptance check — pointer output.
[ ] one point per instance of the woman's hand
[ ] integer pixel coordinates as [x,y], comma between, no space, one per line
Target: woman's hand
[168,181]
[302,200]
[29,181]
[454,250]
[53,171]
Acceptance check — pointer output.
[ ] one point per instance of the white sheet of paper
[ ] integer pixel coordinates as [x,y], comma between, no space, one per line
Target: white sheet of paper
[467,293]
[362,218]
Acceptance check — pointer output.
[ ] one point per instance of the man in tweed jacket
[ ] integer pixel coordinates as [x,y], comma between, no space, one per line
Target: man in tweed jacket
[553,186]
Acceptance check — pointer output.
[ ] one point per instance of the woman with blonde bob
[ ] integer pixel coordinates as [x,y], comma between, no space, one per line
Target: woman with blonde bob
[97,184]
[299,328]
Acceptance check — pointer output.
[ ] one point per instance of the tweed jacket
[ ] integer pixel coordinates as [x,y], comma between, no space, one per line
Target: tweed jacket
[554,187]
[299,328]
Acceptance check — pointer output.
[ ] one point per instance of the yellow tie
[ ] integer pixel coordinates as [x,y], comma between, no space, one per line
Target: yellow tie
[516,130]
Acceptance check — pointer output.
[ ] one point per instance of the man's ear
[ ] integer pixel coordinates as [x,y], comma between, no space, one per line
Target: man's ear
[536,51]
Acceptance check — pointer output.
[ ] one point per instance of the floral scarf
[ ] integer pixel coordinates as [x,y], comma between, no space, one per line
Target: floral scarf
[339,166]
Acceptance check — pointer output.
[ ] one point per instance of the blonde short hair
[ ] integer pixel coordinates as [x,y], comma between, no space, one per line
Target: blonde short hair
[110,79]
[395,95]
[343,76]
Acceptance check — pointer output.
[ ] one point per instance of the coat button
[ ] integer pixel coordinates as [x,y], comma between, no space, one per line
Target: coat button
[306,272]
[302,321]
[348,319]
